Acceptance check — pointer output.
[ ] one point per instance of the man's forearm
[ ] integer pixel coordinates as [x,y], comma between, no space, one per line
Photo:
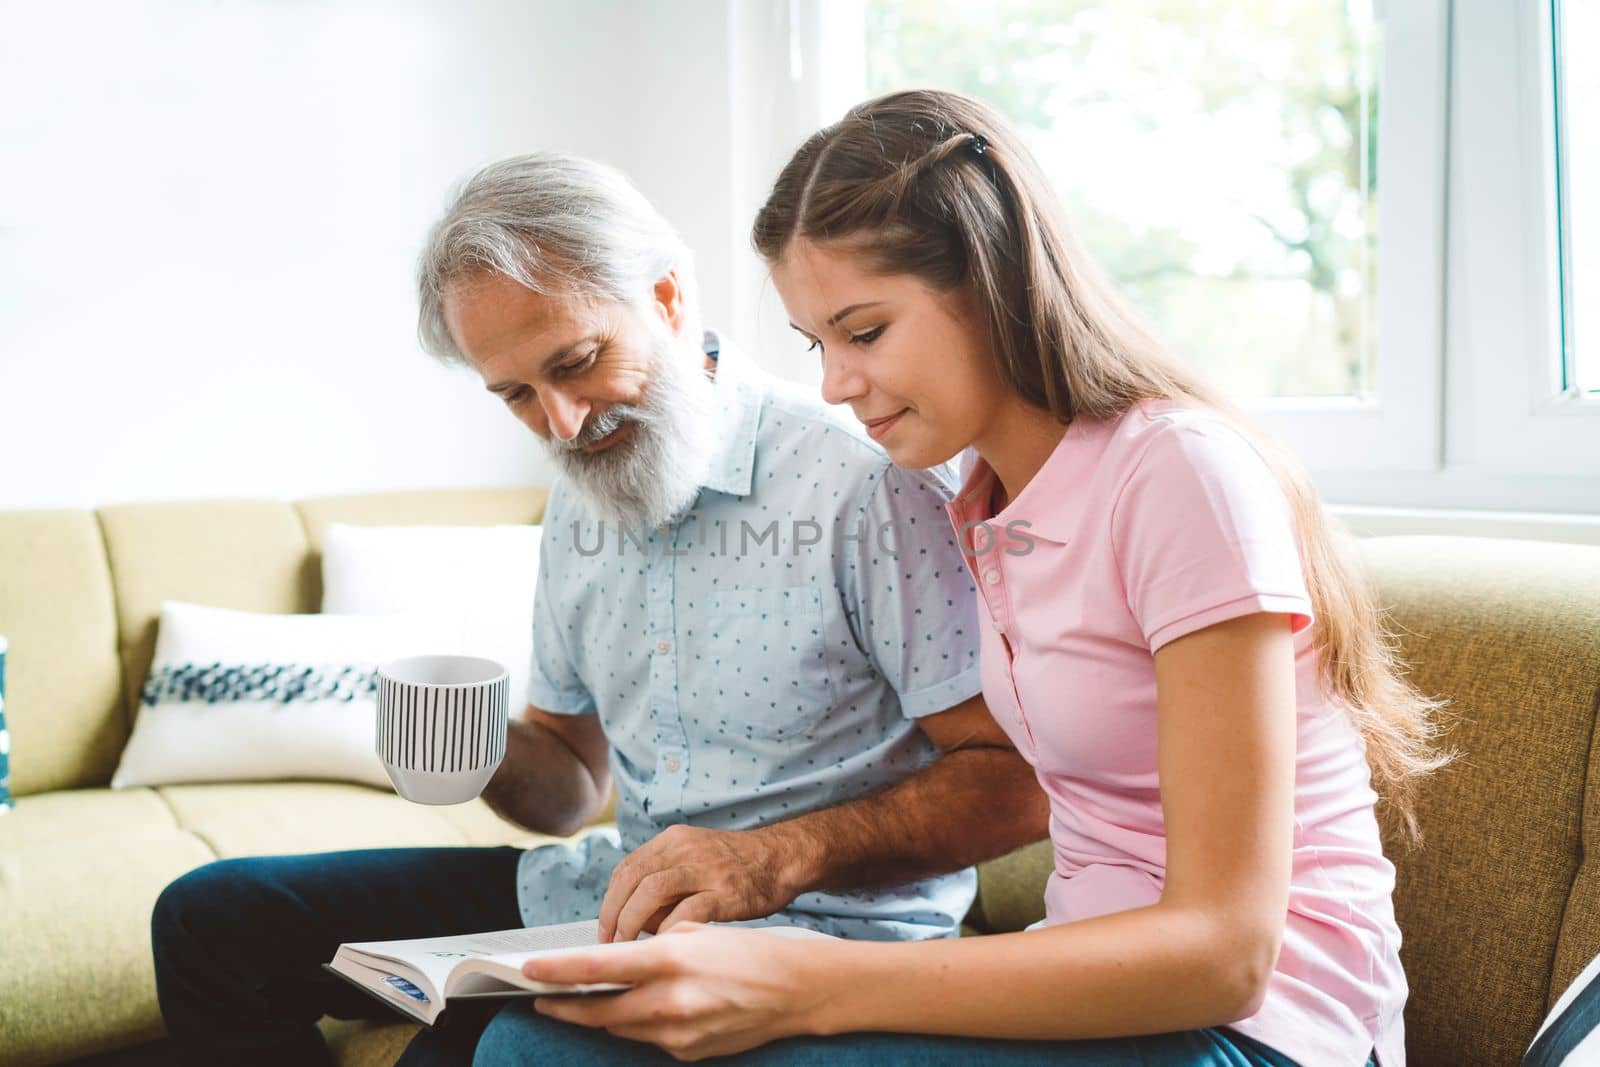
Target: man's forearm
[541,783]
[970,805]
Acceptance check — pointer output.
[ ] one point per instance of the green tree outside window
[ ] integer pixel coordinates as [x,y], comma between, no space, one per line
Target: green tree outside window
[1217,157]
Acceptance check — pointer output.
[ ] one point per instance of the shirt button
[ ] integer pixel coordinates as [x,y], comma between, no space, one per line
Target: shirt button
[980,537]
[999,627]
[663,648]
[992,577]
[672,763]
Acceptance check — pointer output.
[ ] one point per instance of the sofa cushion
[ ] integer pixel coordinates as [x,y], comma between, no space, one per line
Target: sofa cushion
[1580,925]
[75,969]
[1011,889]
[64,702]
[81,870]
[243,554]
[363,1043]
[1509,634]
[5,736]
[476,581]
[254,819]
[237,696]
[83,815]
[442,507]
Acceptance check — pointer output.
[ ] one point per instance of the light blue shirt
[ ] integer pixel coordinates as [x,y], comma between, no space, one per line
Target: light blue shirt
[764,656]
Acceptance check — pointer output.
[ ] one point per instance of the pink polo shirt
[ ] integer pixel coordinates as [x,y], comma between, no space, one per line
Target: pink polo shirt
[1143,529]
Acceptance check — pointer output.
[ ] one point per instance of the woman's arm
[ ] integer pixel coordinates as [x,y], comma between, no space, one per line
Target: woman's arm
[1200,956]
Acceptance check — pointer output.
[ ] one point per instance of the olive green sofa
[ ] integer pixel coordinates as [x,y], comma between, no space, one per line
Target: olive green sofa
[1499,909]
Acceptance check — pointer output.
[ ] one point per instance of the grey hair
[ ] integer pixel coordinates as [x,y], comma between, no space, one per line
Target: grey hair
[557,224]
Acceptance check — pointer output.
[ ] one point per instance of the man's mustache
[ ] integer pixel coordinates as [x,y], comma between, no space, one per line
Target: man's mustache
[602,426]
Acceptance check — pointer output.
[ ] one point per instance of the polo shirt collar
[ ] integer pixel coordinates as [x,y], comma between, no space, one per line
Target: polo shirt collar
[1047,503]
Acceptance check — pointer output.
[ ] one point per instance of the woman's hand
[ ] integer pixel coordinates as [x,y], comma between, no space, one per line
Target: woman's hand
[697,991]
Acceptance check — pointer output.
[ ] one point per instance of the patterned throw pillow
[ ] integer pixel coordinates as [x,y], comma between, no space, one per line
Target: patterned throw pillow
[240,696]
[479,578]
[1570,1035]
[5,738]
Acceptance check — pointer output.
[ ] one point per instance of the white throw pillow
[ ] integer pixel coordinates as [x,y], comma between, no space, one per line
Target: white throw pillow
[476,580]
[241,696]
[1570,1036]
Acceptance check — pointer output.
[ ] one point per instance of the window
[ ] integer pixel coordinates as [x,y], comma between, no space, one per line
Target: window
[1576,40]
[1374,223]
[1224,163]
[1217,160]
[1519,428]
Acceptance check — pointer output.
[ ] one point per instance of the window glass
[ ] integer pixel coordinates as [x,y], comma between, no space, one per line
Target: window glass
[1217,158]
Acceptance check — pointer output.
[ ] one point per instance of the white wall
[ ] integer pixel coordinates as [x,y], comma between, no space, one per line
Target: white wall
[209,214]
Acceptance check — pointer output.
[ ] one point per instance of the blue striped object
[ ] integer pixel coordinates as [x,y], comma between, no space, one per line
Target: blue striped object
[280,683]
[5,737]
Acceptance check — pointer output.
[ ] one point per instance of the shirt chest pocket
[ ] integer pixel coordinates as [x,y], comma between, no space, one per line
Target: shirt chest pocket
[769,661]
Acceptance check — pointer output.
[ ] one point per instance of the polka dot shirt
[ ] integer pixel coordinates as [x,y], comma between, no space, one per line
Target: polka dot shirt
[765,655]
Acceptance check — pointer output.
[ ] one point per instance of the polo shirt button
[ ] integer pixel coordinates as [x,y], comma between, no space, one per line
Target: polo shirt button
[663,648]
[980,537]
[992,577]
[999,627]
[672,763]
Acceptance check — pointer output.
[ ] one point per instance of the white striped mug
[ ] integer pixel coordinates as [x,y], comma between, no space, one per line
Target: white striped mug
[441,725]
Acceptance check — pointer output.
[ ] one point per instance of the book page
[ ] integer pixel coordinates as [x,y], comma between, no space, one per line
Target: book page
[477,977]
[396,989]
[490,963]
[501,976]
[535,938]
[434,957]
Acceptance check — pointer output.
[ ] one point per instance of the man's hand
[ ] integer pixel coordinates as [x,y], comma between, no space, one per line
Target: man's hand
[978,800]
[556,774]
[690,873]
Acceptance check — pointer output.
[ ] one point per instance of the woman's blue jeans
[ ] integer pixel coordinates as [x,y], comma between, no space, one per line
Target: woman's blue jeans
[517,1037]
[239,946]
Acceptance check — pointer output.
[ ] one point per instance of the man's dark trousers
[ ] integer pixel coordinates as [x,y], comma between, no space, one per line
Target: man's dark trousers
[239,946]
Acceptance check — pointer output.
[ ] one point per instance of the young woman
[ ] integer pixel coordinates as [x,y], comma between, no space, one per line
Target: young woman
[1176,640]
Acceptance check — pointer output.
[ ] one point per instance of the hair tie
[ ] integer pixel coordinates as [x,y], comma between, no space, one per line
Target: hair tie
[980,143]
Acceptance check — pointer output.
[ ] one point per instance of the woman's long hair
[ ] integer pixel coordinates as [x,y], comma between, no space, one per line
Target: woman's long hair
[939,186]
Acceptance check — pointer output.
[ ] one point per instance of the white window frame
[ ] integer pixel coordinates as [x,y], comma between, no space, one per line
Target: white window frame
[1520,416]
[1467,247]
[1396,429]
[1512,438]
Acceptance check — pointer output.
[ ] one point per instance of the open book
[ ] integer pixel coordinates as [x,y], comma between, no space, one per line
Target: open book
[420,976]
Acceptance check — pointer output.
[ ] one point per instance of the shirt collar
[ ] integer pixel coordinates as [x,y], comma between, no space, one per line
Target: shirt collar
[738,392]
[1047,504]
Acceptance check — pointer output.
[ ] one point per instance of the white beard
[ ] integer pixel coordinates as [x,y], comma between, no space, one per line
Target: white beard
[654,475]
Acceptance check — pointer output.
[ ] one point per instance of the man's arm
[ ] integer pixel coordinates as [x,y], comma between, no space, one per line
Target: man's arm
[978,800]
[556,774]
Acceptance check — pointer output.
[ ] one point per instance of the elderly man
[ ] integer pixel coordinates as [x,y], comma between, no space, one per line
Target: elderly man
[746,618]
